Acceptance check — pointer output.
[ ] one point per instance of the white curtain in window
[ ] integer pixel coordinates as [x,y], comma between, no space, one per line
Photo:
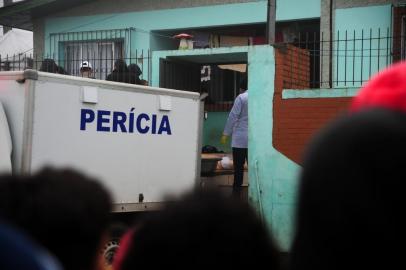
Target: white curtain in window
[101,56]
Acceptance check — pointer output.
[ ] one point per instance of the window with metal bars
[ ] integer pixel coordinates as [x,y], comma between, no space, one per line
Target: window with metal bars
[100,55]
[100,48]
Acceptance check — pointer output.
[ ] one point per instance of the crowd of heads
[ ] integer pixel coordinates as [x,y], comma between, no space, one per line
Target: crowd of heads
[120,73]
[126,74]
[348,211]
[66,217]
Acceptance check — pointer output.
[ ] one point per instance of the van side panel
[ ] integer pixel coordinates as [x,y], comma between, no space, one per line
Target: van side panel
[135,142]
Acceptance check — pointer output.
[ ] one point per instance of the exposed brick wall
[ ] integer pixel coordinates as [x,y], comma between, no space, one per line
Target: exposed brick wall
[295,63]
[297,120]
[398,13]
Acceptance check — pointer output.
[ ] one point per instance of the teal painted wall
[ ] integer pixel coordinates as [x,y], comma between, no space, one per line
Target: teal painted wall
[297,9]
[272,176]
[144,22]
[213,128]
[159,42]
[366,22]
[206,16]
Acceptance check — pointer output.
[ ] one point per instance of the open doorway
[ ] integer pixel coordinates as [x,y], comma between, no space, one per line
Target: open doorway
[217,75]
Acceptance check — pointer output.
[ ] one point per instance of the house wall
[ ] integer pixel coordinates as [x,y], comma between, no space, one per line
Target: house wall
[353,17]
[272,175]
[365,3]
[356,23]
[147,21]
[300,113]
[124,6]
[160,42]
[287,10]
[147,16]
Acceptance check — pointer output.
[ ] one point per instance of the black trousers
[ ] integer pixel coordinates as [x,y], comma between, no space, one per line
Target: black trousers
[240,155]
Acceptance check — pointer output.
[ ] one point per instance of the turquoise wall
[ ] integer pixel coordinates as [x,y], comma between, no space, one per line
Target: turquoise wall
[144,22]
[169,19]
[143,38]
[297,9]
[160,42]
[213,128]
[273,177]
[366,22]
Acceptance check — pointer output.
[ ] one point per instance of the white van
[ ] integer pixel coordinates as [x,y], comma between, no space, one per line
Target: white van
[141,142]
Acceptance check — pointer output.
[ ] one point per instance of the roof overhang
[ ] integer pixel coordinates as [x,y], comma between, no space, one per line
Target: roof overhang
[21,14]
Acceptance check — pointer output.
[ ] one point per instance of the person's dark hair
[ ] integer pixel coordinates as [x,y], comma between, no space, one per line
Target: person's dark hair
[63,210]
[49,65]
[120,65]
[352,195]
[202,230]
[134,73]
[244,83]
[135,69]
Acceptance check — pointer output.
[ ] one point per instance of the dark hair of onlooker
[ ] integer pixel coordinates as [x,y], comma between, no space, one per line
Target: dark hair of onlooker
[63,210]
[203,230]
[134,68]
[120,65]
[352,195]
[135,72]
[49,65]
[120,72]
[244,83]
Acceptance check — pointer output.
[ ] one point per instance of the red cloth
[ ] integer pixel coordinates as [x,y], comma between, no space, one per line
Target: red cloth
[258,40]
[125,245]
[385,90]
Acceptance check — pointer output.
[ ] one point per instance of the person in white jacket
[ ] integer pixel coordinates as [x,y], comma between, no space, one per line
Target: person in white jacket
[237,127]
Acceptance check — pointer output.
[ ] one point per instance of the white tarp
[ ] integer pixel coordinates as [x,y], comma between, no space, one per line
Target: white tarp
[15,42]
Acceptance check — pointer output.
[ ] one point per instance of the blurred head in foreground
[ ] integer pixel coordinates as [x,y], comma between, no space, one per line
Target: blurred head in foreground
[352,189]
[201,230]
[64,211]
